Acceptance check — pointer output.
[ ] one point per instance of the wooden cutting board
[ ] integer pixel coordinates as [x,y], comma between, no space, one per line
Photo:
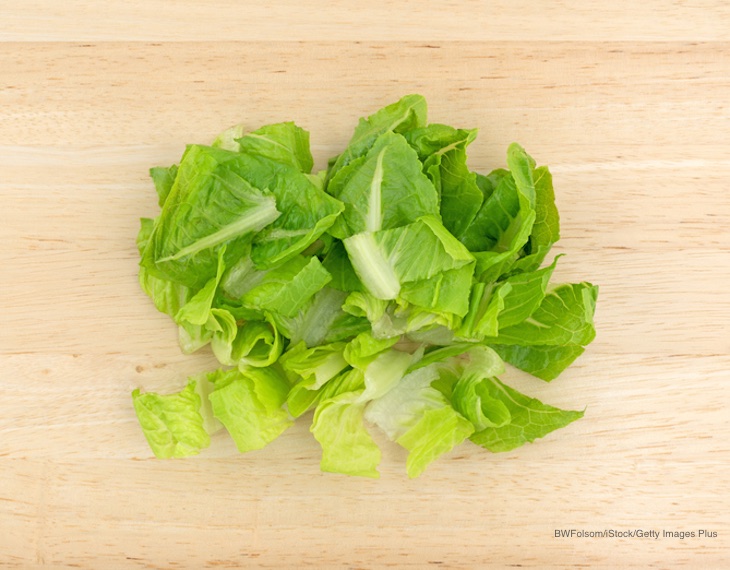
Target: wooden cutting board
[628,105]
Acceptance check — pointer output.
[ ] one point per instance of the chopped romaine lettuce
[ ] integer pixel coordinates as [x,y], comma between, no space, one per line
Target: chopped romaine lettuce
[387,291]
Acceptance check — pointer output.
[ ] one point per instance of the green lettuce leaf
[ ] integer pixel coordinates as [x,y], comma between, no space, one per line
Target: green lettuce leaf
[530,419]
[543,361]
[209,205]
[306,211]
[347,447]
[163,179]
[173,424]
[322,320]
[503,224]
[546,230]
[461,381]
[381,365]
[310,370]
[419,418]
[486,302]
[446,293]
[435,432]
[250,405]
[167,296]
[442,149]
[384,260]
[405,114]
[564,317]
[284,290]
[253,343]
[282,142]
[195,318]
[526,293]
[313,367]
[383,189]
[338,265]
[495,306]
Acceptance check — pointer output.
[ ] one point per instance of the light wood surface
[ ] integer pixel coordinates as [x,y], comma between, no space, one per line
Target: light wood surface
[628,104]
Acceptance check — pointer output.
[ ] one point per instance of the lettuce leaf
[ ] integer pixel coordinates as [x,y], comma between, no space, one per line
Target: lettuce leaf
[405,114]
[174,424]
[529,418]
[382,189]
[442,149]
[209,205]
[347,446]
[420,419]
[250,405]
[386,259]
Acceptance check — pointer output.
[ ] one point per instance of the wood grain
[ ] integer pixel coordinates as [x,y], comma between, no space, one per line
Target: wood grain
[380,20]
[628,105]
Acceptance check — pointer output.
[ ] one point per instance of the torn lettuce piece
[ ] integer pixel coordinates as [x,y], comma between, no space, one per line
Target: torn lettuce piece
[282,142]
[546,229]
[495,306]
[194,318]
[338,265]
[407,113]
[163,179]
[382,366]
[526,292]
[306,211]
[167,296]
[253,343]
[363,304]
[377,368]
[174,424]
[486,302]
[209,205]
[435,432]
[310,370]
[347,447]
[197,310]
[283,290]
[419,418]
[442,149]
[461,380]
[503,418]
[542,361]
[564,317]
[505,220]
[313,367]
[386,259]
[361,351]
[530,419]
[322,320]
[445,293]
[250,405]
[389,319]
[383,189]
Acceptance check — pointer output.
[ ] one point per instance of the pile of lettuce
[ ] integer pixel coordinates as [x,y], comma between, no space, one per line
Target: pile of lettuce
[386,291]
